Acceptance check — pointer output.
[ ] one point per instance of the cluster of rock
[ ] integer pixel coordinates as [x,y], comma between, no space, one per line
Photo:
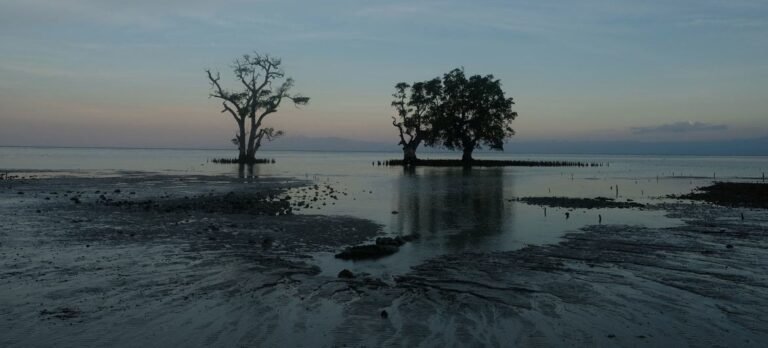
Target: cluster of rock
[256,203]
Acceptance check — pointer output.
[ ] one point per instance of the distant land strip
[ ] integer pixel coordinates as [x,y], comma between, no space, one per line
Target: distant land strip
[492,163]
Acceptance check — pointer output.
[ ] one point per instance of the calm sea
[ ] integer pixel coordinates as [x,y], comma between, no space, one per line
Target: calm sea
[453,209]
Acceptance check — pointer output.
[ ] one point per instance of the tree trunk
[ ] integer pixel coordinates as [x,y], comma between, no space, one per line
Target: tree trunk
[241,142]
[252,147]
[409,154]
[467,156]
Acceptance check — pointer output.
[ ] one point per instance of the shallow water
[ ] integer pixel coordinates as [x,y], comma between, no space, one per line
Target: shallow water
[453,209]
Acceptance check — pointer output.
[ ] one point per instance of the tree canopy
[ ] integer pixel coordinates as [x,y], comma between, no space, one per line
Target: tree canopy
[474,113]
[416,107]
[455,112]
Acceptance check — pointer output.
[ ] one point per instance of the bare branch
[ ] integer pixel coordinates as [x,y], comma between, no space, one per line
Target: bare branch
[256,98]
[231,112]
[399,126]
[220,93]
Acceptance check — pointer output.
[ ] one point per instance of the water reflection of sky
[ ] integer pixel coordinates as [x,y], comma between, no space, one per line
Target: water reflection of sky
[458,210]
[453,209]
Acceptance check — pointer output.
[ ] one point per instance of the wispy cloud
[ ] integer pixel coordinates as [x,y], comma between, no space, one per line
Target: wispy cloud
[679,127]
[721,21]
[143,14]
[395,10]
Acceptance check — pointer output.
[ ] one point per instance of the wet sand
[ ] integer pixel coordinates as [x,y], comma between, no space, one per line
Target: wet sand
[184,262]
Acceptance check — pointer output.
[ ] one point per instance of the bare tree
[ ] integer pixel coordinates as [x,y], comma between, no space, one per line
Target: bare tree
[258,96]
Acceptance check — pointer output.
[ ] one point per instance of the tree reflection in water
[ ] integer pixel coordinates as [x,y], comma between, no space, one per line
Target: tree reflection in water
[459,208]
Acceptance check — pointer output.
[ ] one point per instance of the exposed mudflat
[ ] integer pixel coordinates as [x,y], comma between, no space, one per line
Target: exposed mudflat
[732,194]
[703,284]
[184,262]
[158,260]
[579,203]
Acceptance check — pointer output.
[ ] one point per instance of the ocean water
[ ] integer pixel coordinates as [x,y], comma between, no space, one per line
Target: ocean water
[453,209]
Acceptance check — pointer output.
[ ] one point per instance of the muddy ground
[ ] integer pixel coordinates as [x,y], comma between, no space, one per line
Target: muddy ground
[181,261]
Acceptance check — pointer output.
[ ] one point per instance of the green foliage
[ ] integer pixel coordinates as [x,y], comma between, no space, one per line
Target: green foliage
[474,112]
[416,107]
[455,112]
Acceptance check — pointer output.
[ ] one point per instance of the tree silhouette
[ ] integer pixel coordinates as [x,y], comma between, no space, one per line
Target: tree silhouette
[473,113]
[416,106]
[259,95]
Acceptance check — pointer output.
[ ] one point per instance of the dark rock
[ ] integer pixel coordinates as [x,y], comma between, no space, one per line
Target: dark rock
[394,212]
[369,251]
[267,242]
[384,314]
[346,274]
[729,246]
[397,241]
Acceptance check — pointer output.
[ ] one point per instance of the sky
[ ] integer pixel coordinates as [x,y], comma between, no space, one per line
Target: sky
[131,73]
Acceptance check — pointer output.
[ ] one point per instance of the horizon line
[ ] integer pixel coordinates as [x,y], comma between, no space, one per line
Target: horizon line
[372,151]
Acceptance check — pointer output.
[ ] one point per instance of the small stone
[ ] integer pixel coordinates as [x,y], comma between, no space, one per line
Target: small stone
[729,246]
[346,274]
[394,212]
[384,314]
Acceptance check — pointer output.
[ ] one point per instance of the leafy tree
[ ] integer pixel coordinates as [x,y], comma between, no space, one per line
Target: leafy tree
[474,112]
[258,96]
[416,106]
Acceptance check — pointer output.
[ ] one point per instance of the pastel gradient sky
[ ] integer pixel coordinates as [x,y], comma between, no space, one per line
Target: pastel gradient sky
[131,73]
